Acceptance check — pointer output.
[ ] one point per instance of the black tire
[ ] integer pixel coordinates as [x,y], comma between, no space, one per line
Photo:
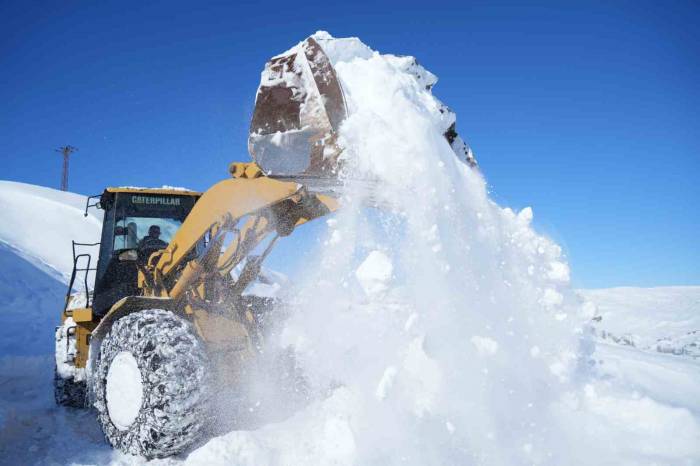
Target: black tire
[68,392]
[174,372]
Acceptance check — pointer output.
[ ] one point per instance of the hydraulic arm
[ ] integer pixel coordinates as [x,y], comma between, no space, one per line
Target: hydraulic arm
[226,225]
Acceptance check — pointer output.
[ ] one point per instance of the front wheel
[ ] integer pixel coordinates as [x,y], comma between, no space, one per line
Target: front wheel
[151,384]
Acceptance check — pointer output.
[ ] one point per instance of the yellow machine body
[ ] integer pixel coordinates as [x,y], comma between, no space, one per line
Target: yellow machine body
[231,220]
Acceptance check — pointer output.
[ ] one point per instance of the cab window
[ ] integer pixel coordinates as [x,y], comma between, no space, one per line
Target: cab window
[131,230]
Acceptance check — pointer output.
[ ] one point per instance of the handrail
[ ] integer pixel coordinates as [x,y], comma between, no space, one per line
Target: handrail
[87,271]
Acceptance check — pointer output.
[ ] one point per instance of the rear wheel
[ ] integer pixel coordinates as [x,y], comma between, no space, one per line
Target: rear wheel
[151,384]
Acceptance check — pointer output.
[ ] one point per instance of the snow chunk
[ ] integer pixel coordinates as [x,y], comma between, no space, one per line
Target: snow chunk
[344,49]
[336,237]
[386,382]
[525,216]
[374,274]
[424,378]
[484,345]
[551,298]
[558,271]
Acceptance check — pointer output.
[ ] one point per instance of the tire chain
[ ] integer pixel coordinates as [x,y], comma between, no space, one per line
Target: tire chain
[174,372]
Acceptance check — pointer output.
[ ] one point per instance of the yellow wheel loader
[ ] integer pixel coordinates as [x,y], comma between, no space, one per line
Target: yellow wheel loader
[167,325]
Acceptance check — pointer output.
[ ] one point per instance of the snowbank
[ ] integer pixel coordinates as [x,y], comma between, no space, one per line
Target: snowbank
[30,306]
[37,227]
[39,224]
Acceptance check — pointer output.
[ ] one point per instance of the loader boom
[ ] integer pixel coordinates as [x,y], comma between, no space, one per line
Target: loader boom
[228,222]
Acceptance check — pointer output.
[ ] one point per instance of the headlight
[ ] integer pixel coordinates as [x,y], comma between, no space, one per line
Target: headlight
[130,255]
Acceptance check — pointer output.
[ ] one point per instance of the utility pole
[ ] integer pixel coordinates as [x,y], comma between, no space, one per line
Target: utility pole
[65,151]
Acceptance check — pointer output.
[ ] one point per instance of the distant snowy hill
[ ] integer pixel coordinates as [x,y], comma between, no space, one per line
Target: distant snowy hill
[664,319]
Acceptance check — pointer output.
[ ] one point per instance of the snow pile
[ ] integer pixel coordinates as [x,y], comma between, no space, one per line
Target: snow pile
[442,328]
[40,223]
[36,261]
[30,304]
[447,320]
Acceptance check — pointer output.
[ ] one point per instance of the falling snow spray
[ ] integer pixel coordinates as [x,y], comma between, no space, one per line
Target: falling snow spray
[444,325]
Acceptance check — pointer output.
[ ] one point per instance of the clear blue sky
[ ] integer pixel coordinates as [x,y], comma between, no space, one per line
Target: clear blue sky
[588,112]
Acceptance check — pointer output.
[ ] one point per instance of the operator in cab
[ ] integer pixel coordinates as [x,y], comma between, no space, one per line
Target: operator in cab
[151,242]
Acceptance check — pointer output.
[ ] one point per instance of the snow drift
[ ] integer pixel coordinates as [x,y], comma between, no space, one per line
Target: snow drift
[40,223]
[36,261]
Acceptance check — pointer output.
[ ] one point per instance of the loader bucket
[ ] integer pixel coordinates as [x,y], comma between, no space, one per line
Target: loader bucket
[298,109]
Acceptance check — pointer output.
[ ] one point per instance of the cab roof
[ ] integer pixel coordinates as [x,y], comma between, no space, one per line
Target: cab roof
[164,190]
